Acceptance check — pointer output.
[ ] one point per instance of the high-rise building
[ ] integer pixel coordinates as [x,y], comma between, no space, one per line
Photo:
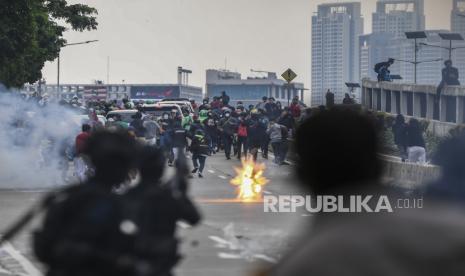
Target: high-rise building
[458,17]
[335,49]
[399,16]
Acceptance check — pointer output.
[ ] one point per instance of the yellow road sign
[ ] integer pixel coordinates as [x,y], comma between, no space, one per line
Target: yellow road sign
[289,75]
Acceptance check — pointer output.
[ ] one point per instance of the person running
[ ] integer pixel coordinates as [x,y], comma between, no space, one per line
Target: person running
[179,138]
[228,127]
[138,125]
[81,163]
[263,125]
[200,148]
[255,137]
[152,129]
[276,138]
[242,133]
[212,131]
[166,124]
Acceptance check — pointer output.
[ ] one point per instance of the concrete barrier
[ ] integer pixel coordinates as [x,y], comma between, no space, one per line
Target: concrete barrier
[409,175]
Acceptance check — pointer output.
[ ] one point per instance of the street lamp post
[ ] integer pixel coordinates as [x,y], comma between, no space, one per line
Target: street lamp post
[448,36]
[58,61]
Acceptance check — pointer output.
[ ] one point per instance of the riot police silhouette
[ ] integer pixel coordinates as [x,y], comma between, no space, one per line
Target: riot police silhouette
[83,227]
[156,207]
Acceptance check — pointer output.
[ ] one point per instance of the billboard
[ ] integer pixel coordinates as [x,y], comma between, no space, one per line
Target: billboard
[154,92]
[95,93]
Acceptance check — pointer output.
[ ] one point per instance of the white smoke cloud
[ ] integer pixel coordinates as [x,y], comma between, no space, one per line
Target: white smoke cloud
[31,138]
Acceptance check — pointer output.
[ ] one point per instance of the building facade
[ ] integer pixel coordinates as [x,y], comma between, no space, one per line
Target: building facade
[108,92]
[335,42]
[399,16]
[250,91]
[458,17]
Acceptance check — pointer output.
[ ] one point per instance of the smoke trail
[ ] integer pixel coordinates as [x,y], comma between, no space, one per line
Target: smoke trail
[32,142]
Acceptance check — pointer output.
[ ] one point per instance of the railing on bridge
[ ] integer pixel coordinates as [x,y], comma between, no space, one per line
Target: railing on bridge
[416,101]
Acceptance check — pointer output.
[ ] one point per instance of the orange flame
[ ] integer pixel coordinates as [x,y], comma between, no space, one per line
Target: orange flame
[250,180]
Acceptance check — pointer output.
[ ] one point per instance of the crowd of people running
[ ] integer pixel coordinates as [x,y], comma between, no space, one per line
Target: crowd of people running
[213,126]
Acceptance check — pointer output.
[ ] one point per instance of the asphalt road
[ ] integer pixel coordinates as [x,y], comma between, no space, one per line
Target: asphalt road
[234,238]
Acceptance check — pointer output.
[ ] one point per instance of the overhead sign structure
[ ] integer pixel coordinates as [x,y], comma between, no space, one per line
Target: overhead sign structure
[289,75]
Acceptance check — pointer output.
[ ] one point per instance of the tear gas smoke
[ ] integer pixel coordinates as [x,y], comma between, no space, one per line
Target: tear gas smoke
[34,141]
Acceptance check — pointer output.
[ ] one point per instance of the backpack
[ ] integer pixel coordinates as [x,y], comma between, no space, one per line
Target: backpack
[242,131]
[201,145]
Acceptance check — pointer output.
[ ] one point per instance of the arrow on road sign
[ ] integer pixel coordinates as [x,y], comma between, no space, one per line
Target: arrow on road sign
[289,75]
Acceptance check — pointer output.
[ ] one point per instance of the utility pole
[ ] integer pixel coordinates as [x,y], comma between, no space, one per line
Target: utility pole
[58,61]
[108,70]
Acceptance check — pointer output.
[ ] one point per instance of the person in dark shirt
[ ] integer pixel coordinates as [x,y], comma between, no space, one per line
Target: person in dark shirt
[138,125]
[399,129]
[80,234]
[416,146]
[225,98]
[228,126]
[156,208]
[200,148]
[382,69]
[256,136]
[329,99]
[450,76]
[179,138]
[348,100]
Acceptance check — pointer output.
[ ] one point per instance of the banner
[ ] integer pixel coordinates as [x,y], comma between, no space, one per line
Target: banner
[95,93]
[154,92]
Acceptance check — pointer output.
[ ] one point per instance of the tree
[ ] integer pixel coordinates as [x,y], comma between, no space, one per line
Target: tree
[30,35]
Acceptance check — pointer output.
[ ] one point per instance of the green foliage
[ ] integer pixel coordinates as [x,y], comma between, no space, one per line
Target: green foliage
[30,35]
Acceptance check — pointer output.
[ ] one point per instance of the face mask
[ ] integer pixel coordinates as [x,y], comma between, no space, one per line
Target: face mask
[166,117]
[226,115]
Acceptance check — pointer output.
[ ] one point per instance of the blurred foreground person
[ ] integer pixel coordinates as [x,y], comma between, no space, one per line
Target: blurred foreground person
[425,242]
[451,157]
[81,230]
[157,210]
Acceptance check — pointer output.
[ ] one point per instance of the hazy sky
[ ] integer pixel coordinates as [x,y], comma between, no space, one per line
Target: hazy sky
[147,39]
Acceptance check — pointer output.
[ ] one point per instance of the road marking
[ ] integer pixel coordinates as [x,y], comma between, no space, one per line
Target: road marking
[28,267]
[265,258]
[223,255]
[306,215]
[222,177]
[220,242]
[211,171]
[267,192]
[183,225]
[3,271]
